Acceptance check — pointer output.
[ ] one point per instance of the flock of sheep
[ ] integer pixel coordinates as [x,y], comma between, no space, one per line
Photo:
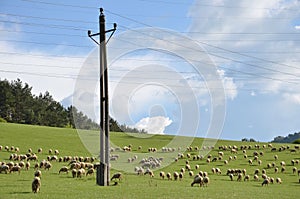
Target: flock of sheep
[85,166]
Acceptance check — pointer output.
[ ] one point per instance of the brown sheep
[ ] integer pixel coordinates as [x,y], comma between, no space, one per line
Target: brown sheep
[117,176]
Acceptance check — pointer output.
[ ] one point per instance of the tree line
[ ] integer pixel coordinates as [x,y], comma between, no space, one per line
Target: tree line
[19,105]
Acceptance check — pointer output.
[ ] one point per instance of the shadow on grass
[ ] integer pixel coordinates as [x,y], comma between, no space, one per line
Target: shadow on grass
[20,192]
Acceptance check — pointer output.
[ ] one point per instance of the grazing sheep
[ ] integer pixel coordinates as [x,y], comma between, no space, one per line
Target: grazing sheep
[36,165]
[278,180]
[264,176]
[276,170]
[272,180]
[225,162]
[256,171]
[117,176]
[148,171]
[256,178]
[48,165]
[36,185]
[162,174]
[250,162]
[197,166]
[197,180]
[206,180]
[169,176]
[240,176]
[282,169]
[213,170]
[56,152]
[188,167]
[263,171]
[276,157]
[259,162]
[182,170]
[40,150]
[80,173]
[180,176]
[175,175]
[244,171]
[63,169]
[16,168]
[74,172]
[4,168]
[265,182]
[231,176]
[1,147]
[90,171]
[247,177]
[293,162]
[27,165]
[245,156]
[282,163]
[191,173]
[37,173]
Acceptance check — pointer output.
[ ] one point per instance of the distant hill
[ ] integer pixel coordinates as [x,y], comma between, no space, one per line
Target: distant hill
[288,139]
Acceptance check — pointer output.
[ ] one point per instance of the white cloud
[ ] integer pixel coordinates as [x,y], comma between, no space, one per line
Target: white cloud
[295,98]
[297,27]
[268,20]
[154,125]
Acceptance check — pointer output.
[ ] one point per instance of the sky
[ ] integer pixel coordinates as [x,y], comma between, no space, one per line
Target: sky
[209,68]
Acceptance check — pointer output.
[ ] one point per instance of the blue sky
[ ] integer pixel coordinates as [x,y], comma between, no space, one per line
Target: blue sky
[254,46]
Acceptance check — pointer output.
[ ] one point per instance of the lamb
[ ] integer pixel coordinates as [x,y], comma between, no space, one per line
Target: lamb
[36,185]
[162,174]
[197,180]
[64,169]
[117,176]
[265,182]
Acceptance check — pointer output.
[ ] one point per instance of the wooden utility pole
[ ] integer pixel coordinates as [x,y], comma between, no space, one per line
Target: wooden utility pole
[103,170]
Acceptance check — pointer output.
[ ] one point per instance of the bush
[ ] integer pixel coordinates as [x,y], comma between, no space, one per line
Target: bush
[296,141]
[2,120]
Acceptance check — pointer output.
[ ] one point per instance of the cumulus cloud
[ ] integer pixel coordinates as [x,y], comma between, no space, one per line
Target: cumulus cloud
[253,41]
[153,125]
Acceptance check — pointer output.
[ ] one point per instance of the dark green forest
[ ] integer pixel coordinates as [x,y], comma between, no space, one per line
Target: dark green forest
[19,105]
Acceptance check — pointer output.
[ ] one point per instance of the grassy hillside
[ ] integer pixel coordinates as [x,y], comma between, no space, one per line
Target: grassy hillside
[132,186]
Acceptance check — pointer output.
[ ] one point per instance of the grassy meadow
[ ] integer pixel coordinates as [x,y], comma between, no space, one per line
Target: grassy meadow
[132,186]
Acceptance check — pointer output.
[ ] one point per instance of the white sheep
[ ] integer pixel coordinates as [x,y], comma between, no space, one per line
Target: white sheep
[169,176]
[80,173]
[180,176]
[175,175]
[276,157]
[240,176]
[191,173]
[250,162]
[278,180]
[276,170]
[231,176]
[247,177]
[74,172]
[40,150]
[256,178]
[38,173]
[36,184]
[27,165]
[162,174]
[90,171]
[206,180]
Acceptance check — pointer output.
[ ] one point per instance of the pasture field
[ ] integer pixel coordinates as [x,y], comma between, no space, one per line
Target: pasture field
[54,185]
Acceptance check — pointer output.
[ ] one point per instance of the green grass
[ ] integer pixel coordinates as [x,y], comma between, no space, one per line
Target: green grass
[132,186]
